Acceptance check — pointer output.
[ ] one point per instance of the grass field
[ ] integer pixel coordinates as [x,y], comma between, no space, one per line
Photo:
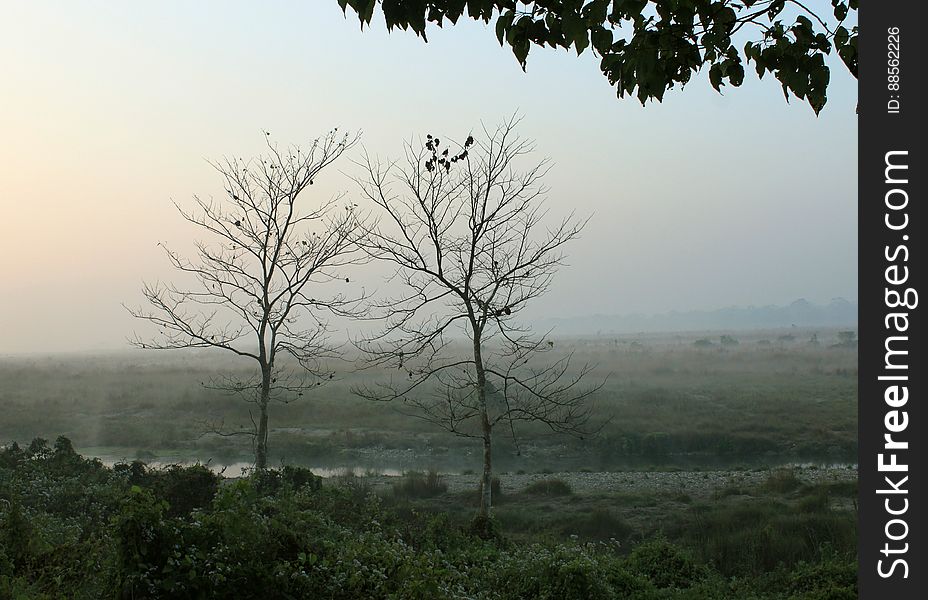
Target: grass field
[671,400]
[690,490]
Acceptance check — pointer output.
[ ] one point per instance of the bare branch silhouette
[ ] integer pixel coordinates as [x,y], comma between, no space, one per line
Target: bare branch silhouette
[268,279]
[464,227]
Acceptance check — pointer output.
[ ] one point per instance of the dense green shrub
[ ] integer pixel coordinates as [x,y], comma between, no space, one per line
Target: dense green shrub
[664,565]
[74,528]
[830,579]
[271,481]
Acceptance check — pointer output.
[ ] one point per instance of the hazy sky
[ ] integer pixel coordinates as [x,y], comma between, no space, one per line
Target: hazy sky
[108,112]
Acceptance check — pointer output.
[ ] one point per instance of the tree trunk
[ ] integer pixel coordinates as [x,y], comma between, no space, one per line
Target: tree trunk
[486,488]
[261,441]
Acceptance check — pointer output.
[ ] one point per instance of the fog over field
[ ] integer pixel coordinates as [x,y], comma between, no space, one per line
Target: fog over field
[683,400]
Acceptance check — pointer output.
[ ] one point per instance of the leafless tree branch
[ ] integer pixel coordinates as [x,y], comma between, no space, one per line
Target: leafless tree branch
[268,279]
[463,225]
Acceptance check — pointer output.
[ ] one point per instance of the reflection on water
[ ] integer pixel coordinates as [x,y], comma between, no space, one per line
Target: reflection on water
[370,466]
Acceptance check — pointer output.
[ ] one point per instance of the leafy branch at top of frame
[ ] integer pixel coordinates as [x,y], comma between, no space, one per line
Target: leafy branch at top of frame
[647,47]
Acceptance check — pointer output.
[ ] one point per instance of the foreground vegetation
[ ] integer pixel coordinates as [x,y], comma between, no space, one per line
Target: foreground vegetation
[72,527]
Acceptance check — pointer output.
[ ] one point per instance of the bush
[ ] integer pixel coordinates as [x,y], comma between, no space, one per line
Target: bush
[665,565]
[755,536]
[484,528]
[18,541]
[184,488]
[415,484]
[549,487]
[600,524]
[269,482]
[782,481]
[830,579]
[300,477]
[89,532]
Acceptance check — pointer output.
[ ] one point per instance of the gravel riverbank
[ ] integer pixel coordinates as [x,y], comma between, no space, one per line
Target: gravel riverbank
[693,483]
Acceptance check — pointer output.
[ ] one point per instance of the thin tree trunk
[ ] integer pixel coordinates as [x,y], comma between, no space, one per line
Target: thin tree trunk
[486,495]
[261,442]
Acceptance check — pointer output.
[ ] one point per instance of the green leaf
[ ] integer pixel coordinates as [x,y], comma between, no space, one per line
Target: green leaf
[602,39]
[366,11]
[575,31]
[840,12]
[715,76]
[841,37]
[503,23]
[736,74]
[820,77]
[776,7]
[520,49]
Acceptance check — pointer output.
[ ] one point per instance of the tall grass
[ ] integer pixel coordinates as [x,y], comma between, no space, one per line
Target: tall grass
[416,484]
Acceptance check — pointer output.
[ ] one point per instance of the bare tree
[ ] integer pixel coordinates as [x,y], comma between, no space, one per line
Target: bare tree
[256,289]
[464,228]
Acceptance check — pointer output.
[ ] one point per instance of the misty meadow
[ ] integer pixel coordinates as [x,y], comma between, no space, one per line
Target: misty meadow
[718,471]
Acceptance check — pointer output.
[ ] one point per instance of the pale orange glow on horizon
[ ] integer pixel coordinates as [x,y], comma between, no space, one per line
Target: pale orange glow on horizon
[109,112]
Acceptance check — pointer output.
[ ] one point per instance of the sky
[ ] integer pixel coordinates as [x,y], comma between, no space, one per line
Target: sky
[110,111]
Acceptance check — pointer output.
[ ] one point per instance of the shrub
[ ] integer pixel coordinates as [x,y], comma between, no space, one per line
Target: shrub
[549,487]
[727,340]
[830,579]
[184,488]
[88,532]
[751,537]
[12,456]
[349,480]
[441,531]
[484,528]
[560,573]
[300,477]
[415,484]
[664,564]
[782,481]
[18,541]
[600,524]
[142,544]
[269,482]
